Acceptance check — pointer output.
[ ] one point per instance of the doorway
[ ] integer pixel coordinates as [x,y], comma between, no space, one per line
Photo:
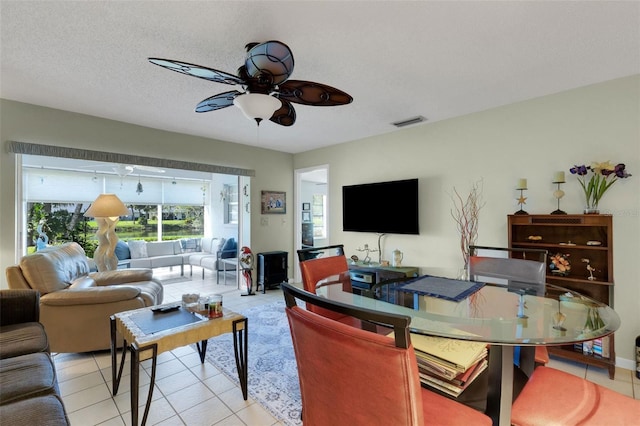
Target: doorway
[311,218]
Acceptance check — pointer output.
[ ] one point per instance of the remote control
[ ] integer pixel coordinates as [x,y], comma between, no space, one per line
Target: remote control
[165,309]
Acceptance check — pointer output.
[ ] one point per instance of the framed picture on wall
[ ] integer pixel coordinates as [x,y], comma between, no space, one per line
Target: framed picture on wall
[273,202]
[306,216]
[306,206]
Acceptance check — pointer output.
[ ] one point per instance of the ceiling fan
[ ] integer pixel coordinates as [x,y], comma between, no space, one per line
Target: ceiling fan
[126,169]
[123,170]
[266,92]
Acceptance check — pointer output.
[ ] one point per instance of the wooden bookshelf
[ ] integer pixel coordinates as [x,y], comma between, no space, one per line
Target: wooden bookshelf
[580,237]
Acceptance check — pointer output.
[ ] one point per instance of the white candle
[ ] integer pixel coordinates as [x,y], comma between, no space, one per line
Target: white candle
[522,184]
[558,177]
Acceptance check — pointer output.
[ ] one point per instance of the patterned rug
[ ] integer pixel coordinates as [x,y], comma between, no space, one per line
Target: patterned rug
[273,375]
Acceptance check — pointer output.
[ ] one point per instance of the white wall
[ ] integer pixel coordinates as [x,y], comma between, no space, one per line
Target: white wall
[530,140]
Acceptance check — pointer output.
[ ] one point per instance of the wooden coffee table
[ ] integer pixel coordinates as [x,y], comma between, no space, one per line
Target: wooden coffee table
[152,330]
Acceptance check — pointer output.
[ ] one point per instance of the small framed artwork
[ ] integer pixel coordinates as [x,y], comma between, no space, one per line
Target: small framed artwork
[306,206]
[306,216]
[273,202]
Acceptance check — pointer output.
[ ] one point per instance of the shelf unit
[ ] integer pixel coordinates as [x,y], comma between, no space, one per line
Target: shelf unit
[576,236]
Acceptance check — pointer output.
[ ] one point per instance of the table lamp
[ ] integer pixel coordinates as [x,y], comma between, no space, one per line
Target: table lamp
[106,209]
[558,179]
[522,185]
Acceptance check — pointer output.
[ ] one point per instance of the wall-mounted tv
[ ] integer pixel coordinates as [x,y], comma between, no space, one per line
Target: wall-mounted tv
[382,207]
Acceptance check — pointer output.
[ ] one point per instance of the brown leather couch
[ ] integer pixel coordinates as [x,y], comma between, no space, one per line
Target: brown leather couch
[29,393]
[75,304]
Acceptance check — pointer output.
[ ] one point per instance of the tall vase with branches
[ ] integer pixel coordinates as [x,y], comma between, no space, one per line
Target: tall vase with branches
[466,213]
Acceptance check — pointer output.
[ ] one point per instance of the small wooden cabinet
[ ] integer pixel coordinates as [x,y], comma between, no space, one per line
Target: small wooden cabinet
[584,241]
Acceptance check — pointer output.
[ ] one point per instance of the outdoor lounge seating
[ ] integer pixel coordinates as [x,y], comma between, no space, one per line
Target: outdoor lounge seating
[205,253]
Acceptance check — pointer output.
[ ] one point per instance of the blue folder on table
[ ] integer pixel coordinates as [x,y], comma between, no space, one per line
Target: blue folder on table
[442,288]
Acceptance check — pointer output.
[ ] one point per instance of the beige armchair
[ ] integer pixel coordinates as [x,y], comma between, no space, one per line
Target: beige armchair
[75,304]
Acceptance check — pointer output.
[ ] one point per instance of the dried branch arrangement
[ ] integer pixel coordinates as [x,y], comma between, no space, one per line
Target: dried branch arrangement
[466,213]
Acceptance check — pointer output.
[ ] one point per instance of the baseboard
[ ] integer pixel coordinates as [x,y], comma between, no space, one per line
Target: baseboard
[628,364]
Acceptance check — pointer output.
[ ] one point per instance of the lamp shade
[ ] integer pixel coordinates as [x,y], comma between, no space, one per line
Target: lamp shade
[257,105]
[107,205]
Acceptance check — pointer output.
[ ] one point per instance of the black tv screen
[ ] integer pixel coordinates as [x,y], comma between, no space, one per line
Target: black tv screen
[382,207]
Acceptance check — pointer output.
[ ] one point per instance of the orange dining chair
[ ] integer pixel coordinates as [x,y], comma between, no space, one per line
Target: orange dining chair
[353,376]
[553,397]
[315,269]
[325,251]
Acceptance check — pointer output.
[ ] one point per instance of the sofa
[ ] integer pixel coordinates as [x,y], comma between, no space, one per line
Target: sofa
[29,392]
[206,253]
[75,304]
[210,253]
[155,254]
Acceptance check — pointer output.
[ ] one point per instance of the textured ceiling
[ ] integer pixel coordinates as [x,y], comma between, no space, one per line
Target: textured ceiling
[397,59]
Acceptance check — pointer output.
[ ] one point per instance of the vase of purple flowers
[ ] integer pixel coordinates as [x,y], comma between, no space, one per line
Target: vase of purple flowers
[603,175]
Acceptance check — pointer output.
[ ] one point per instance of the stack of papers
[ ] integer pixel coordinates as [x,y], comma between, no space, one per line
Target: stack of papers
[449,365]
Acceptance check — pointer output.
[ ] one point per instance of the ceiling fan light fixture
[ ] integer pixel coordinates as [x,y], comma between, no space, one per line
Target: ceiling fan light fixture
[257,106]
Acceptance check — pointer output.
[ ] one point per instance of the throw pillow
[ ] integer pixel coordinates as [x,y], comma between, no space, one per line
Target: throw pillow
[229,249]
[138,249]
[122,251]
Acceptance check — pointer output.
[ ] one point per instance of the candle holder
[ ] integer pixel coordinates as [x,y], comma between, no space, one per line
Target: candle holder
[558,194]
[521,201]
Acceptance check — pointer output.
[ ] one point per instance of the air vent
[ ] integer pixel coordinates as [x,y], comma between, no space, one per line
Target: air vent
[410,121]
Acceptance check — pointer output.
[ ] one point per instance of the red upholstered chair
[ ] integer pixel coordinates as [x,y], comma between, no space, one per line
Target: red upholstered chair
[553,397]
[355,377]
[314,268]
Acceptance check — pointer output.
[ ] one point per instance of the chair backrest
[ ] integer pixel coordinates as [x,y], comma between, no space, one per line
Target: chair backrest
[521,274]
[316,252]
[352,376]
[314,270]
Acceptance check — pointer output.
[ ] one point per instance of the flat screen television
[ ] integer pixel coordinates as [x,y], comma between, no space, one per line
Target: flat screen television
[382,207]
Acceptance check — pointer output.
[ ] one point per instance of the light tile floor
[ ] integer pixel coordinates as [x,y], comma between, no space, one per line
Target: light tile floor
[190,393]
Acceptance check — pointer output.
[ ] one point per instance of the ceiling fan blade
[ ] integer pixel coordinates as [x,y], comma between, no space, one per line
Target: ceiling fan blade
[285,115]
[150,169]
[310,93]
[197,71]
[271,60]
[216,102]
[123,170]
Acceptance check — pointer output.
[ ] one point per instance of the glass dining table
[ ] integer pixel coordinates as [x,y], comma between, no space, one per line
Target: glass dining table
[485,312]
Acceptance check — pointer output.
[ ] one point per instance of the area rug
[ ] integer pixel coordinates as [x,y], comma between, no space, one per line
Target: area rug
[273,374]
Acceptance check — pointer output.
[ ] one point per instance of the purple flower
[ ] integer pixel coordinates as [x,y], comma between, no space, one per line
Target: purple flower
[604,175]
[620,171]
[579,170]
